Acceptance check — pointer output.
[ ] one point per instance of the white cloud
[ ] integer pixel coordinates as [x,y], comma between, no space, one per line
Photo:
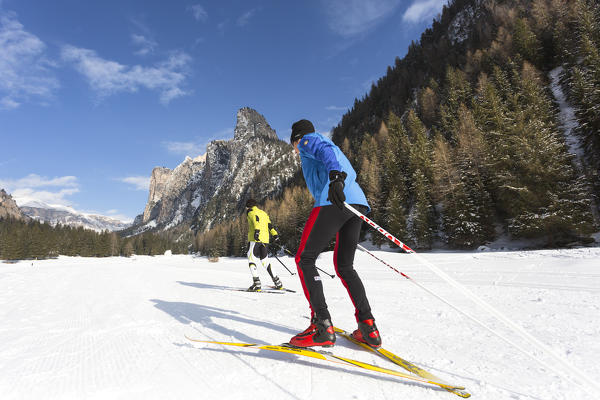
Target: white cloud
[198,12]
[138,182]
[336,108]
[31,188]
[352,17]
[110,77]
[245,18]
[27,195]
[423,10]
[145,44]
[7,103]
[34,180]
[25,71]
[198,147]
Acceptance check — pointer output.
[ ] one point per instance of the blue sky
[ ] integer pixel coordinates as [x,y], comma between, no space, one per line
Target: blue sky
[93,95]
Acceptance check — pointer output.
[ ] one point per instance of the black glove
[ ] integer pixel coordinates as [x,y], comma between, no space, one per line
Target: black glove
[336,188]
[276,239]
[256,233]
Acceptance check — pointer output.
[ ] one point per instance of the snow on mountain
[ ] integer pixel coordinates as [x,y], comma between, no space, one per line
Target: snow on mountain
[461,26]
[65,215]
[569,123]
[120,334]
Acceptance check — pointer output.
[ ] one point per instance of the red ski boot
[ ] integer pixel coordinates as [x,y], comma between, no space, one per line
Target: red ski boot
[367,333]
[319,333]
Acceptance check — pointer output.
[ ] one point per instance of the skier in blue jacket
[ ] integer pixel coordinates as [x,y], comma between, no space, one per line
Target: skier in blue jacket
[331,180]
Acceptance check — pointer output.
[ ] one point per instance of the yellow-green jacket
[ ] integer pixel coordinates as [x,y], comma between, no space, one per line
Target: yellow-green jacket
[259,221]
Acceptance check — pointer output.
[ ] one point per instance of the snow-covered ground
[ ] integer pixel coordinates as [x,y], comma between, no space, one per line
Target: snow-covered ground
[83,328]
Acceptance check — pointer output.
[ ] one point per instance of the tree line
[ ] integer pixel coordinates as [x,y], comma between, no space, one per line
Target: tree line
[34,239]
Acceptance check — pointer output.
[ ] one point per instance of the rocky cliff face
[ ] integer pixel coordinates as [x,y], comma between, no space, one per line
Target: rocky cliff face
[8,207]
[158,185]
[214,187]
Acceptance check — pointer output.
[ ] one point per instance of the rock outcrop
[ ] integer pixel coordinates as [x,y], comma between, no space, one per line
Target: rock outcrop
[214,187]
[9,208]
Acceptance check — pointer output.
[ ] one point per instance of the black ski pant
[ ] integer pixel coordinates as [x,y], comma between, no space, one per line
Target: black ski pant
[322,225]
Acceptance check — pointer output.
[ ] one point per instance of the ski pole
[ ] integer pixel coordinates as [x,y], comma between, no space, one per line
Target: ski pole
[509,323]
[293,273]
[326,273]
[274,255]
[293,255]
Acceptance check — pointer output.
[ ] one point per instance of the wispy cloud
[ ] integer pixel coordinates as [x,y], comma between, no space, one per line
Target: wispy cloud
[138,182]
[352,17]
[191,149]
[25,71]
[146,45]
[34,180]
[34,187]
[245,17]
[108,77]
[423,10]
[336,108]
[198,12]
[196,147]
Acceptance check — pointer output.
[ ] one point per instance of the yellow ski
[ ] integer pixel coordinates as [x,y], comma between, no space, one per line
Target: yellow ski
[327,356]
[407,365]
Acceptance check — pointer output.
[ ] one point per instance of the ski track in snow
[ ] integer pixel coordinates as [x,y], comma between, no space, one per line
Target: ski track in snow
[113,328]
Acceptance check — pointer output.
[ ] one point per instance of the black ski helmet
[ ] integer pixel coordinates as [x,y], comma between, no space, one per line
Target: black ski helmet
[301,128]
[251,203]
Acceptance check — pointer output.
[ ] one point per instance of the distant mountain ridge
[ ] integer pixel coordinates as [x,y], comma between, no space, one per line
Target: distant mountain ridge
[213,187]
[55,214]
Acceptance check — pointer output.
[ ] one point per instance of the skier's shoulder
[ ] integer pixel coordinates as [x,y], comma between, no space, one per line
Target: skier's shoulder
[313,140]
[261,213]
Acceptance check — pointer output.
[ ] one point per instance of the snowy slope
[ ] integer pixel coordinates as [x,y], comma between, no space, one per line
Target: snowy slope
[58,214]
[81,328]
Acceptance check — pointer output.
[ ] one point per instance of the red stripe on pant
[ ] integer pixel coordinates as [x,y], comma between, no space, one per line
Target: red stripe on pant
[310,222]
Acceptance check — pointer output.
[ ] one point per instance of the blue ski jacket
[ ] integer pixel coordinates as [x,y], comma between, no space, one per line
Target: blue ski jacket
[319,156]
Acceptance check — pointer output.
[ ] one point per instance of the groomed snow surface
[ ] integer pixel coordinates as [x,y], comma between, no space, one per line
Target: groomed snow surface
[113,328]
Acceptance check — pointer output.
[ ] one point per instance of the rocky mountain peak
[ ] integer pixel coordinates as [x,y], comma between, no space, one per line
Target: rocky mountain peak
[214,186]
[8,207]
[251,123]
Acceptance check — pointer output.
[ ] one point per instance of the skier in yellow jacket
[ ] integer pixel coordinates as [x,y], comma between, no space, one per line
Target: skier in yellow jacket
[259,228]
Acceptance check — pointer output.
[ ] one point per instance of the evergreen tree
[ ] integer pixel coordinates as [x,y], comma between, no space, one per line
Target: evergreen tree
[458,91]
[396,172]
[420,152]
[421,216]
[545,170]
[525,41]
